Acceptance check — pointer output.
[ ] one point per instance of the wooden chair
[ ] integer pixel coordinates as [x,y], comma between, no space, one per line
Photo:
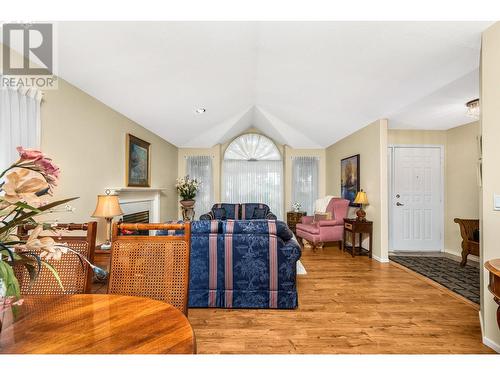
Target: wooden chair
[151,266]
[469,245]
[75,278]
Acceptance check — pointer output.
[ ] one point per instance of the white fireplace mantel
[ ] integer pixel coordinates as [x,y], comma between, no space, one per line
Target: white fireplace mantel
[133,195]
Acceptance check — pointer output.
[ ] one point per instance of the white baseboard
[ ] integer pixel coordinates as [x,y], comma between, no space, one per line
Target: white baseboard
[459,254]
[486,341]
[381,260]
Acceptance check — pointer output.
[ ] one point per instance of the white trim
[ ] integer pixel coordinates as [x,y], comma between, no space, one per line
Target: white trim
[459,254]
[481,323]
[380,260]
[390,188]
[137,189]
[491,344]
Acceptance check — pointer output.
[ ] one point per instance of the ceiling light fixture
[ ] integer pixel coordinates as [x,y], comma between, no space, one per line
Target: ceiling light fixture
[473,109]
[200,110]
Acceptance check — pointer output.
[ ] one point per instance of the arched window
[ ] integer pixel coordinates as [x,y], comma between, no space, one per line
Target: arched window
[253,172]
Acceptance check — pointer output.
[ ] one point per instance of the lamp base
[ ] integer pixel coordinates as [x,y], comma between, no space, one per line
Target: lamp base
[361,215]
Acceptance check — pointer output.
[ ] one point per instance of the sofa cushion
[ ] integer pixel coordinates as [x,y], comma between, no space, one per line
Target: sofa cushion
[277,227]
[219,213]
[259,213]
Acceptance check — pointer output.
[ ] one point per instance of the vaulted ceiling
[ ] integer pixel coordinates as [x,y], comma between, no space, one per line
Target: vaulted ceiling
[306,84]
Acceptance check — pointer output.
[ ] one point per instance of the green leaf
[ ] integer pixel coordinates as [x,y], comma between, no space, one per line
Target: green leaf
[9,279]
[54,272]
[26,206]
[28,215]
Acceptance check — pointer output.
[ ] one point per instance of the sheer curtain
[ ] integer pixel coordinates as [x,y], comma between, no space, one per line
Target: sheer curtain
[19,122]
[253,173]
[305,182]
[200,168]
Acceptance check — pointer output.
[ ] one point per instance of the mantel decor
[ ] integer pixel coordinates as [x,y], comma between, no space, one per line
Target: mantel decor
[349,178]
[138,162]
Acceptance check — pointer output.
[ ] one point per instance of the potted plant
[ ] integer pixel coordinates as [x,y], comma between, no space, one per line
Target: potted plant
[25,187]
[187,189]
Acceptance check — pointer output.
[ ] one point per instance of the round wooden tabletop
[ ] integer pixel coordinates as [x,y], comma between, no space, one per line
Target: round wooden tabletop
[493,266]
[95,324]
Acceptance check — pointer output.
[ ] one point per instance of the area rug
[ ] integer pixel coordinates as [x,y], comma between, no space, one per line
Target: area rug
[445,271]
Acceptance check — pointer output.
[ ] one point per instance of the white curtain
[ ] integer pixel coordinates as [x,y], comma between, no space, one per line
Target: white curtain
[19,122]
[200,168]
[305,181]
[253,173]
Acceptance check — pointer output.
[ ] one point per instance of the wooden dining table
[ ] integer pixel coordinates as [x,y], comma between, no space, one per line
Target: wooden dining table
[95,324]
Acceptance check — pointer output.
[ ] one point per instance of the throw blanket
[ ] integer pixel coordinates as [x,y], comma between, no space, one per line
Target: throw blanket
[322,203]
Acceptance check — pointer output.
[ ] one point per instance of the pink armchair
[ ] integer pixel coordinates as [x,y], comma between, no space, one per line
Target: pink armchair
[325,230]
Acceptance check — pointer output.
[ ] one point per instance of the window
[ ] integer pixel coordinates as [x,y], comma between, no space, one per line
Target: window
[200,168]
[305,182]
[253,172]
[19,122]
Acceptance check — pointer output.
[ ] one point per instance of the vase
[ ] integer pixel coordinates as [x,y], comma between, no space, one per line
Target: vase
[187,203]
[187,206]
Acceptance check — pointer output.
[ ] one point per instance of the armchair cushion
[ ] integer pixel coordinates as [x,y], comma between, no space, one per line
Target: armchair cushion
[319,216]
[308,228]
[307,219]
[330,223]
[259,213]
[219,213]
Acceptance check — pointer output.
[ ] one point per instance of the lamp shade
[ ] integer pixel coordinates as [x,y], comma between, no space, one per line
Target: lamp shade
[361,198]
[107,206]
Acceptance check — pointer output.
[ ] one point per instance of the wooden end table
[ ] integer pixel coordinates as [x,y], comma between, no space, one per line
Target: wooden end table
[357,227]
[293,218]
[493,266]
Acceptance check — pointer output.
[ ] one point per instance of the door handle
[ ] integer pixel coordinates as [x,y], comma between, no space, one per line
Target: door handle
[399,204]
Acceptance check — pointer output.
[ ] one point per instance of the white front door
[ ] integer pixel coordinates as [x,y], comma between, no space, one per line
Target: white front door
[416,205]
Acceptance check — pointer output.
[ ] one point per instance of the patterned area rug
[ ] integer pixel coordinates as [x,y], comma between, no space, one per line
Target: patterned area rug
[445,271]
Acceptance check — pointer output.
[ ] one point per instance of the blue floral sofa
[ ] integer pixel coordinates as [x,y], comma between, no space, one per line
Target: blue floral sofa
[237,211]
[243,264]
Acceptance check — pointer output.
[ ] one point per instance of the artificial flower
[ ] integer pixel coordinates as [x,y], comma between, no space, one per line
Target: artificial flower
[29,154]
[20,188]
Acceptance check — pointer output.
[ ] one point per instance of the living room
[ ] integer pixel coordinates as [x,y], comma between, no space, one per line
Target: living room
[259,166]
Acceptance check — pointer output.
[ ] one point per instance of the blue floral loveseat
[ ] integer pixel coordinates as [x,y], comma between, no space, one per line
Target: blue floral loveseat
[243,264]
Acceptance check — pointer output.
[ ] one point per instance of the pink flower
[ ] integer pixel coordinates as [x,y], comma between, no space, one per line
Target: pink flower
[29,154]
[48,167]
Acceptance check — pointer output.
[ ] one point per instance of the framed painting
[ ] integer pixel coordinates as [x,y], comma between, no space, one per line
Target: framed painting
[138,162]
[349,178]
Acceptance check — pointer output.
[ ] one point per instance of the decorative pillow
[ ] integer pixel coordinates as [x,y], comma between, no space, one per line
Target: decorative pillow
[318,216]
[259,213]
[220,213]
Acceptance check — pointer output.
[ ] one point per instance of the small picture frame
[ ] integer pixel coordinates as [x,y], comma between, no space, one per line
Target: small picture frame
[349,178]
[137,162]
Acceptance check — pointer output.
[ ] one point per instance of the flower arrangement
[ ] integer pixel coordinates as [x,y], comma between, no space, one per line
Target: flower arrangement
[187,187]
[296,206]
[24,187]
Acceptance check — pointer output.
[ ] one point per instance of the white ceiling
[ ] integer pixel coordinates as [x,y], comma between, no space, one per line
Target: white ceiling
[306,84]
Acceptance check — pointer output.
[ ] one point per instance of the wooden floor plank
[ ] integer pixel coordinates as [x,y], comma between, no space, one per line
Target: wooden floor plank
[347,305]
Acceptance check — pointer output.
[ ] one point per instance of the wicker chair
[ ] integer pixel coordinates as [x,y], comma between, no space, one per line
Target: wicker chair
[75,278]
[151,266]
[469,245]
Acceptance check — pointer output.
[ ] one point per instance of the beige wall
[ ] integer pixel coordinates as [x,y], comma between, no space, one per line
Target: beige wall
[461,189]
[461,183]
[371,143]
[87,140]
[287,153]
[490,130]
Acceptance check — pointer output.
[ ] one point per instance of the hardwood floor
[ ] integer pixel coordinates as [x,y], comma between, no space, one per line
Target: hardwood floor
[347,305]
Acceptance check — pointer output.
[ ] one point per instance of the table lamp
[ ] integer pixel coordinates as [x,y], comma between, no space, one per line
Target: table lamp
[107,207]
[361,199]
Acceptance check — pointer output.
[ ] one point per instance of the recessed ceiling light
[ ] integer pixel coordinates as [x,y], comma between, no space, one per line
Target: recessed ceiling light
[200,110]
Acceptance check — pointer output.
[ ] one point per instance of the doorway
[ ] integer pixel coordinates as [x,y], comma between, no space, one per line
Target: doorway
[416,208]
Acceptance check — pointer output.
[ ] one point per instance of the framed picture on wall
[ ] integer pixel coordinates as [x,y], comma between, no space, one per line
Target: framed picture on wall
[138,162]
[349,178]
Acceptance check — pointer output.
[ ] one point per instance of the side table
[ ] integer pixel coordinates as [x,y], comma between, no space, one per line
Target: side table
[357,227]
[293,218]
[493,266]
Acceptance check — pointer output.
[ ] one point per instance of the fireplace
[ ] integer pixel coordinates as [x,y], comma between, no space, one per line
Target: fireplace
[137,217]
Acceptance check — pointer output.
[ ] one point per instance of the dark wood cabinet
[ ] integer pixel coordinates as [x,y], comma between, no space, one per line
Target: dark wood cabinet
[293,218]
[358,227]
[102,259]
